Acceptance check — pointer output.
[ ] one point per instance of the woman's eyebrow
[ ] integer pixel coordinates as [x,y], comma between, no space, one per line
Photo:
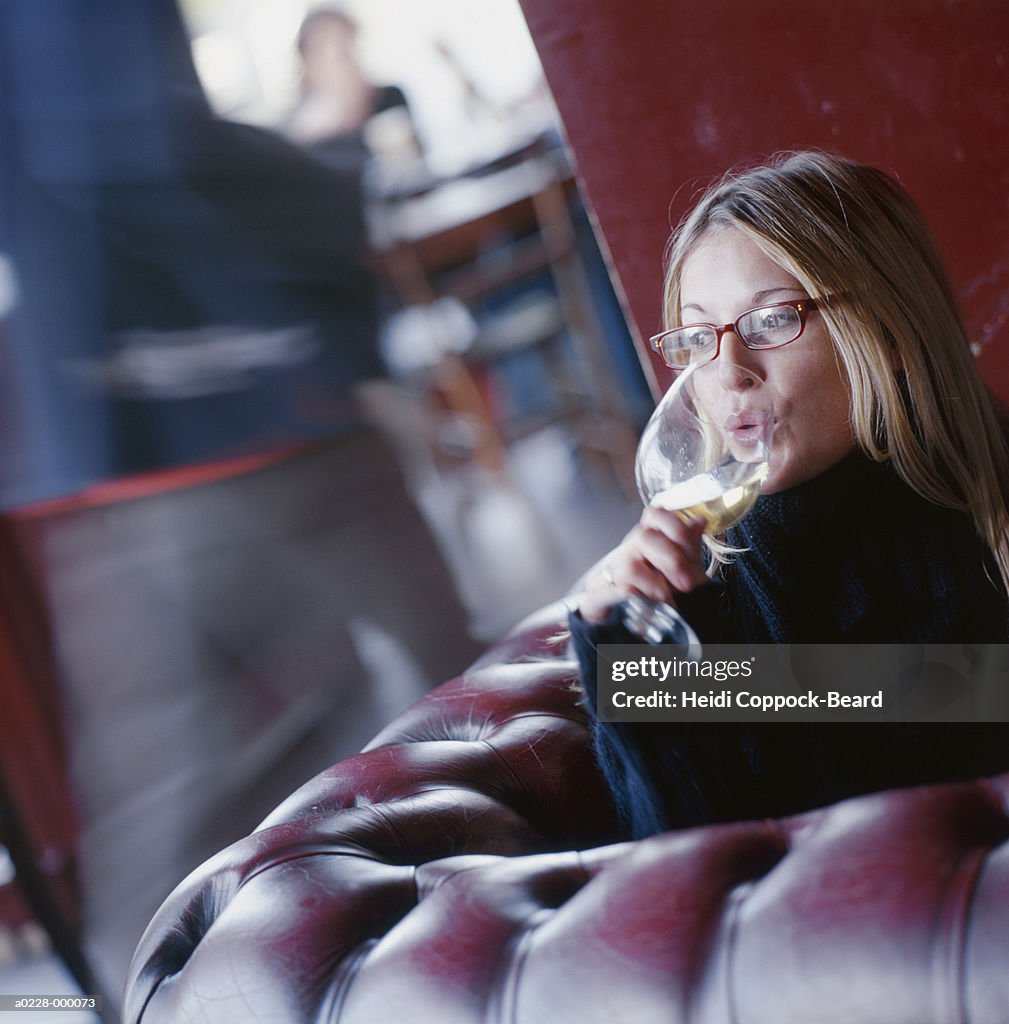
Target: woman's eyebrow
[763,296]
[758,299]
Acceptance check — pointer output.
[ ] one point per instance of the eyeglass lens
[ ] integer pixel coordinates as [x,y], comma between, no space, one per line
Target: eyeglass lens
[759,328]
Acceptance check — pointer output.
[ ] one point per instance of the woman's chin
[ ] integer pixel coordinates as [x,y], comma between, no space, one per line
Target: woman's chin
[786,470]
[777,474]
[772,485]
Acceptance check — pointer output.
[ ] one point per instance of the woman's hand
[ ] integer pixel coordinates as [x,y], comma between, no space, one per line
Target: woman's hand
[659,558]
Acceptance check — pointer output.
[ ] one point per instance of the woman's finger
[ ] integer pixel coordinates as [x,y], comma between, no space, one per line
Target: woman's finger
[679,561]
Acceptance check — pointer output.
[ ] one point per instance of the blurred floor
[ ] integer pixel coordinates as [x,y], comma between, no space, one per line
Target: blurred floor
[522,540]
[229,705]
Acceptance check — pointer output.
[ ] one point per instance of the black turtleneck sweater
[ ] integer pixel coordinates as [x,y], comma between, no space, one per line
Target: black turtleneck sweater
[856,556]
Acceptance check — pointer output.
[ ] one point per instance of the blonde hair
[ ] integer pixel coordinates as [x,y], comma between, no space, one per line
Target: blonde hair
[851,235]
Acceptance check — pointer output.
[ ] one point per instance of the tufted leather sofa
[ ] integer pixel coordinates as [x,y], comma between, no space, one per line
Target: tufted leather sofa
[462,870]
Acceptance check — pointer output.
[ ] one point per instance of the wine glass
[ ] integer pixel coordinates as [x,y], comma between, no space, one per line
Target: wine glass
[704,452]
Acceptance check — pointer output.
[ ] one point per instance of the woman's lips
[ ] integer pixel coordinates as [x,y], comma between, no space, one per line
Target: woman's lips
[744,419]
[747,426]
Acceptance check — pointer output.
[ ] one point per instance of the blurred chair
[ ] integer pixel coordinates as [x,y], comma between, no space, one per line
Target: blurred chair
[48,893]
[38,820]
[513,341]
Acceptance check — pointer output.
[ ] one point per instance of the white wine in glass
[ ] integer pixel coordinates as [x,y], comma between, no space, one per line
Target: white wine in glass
[720,497]
[704,452]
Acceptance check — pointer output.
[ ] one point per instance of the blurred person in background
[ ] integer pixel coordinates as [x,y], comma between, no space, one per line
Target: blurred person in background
[342,116]
[190,290]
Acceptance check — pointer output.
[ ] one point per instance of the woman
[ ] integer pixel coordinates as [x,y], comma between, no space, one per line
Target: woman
[338,100]
[883,519]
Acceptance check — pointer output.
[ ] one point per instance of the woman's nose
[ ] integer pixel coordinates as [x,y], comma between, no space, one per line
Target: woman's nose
[737,369]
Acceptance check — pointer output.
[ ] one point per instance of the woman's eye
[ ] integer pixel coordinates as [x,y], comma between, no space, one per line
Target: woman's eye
[781,319]
[697,339]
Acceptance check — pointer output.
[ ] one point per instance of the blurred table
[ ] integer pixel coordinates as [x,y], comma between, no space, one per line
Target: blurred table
[511,340]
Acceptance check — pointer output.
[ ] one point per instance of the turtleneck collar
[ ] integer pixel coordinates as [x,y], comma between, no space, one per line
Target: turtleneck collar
[836,493]
[844,555]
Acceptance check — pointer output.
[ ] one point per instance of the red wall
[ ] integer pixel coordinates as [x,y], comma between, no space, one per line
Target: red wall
[659,96]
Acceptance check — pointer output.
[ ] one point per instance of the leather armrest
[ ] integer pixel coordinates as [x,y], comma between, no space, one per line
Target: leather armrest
[436,877]
[496,761]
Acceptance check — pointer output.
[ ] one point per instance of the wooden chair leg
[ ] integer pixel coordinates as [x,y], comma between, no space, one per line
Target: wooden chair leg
[64,935]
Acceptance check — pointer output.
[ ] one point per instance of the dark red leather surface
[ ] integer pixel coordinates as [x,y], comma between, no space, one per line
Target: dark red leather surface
[657,97]
[408,884]
[33,758]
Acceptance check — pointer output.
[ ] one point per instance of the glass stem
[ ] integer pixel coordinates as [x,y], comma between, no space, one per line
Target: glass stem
[656,623]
